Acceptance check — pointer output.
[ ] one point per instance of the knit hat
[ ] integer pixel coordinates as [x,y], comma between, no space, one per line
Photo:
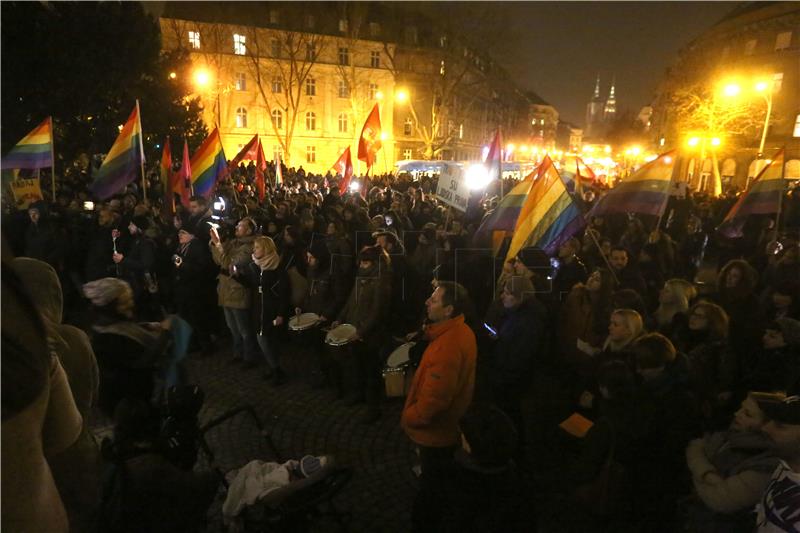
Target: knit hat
[102,292]
[533,257]
[790,329]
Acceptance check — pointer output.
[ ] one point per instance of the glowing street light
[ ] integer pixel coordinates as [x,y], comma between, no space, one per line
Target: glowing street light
[379,95]
[173,75]
[762,86]
[693,141]
[715,141]
[354,186]
[201,77]
[477,177]
[732,89]
[401,96]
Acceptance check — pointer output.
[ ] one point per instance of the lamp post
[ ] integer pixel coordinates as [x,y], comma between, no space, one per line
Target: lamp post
[765,90]
[202,78]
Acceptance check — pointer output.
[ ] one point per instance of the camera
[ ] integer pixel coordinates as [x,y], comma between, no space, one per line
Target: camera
[177,259]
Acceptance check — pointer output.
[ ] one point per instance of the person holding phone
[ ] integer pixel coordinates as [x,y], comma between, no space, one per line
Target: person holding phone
[234,297]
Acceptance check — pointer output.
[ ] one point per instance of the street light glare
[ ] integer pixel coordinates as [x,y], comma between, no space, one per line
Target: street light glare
[693,141]
[401,96]
[173,75]
[762,86]
[379,95]
[477,177]
[202,77]
[715,141]
[732,89]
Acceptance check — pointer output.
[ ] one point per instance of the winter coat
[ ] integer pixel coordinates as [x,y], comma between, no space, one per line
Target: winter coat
[325,295]
[776,370]
[271,298]
[442,388]
[138,260]
[195,275]
[367,307]
[577,320]
[740,464]
[231,293]
[41,242]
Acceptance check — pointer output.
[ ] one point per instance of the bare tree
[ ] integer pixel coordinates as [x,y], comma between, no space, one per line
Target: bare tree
[281,62]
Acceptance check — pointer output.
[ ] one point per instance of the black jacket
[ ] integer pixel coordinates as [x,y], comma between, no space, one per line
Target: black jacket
[272,297]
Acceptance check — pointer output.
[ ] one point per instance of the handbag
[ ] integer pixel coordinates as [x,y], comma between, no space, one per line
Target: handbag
[602,496]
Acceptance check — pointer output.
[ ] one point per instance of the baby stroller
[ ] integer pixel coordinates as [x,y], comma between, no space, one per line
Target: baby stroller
[295,507]
[181,441]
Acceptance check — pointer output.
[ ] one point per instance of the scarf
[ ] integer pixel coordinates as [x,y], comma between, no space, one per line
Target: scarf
[268,262]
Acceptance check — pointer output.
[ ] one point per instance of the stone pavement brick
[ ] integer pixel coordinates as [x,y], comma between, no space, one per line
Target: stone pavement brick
[300,421]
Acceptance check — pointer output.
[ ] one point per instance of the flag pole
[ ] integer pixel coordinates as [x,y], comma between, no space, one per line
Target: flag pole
[780,196]
[590,231]
[52,159]
[141,152]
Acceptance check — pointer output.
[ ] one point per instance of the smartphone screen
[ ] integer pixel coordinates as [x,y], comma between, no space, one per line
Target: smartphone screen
[490,328]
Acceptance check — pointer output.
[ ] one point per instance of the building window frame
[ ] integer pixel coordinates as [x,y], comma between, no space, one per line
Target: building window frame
[750,47]
[342,122]
[311,87]
[375,59]
[276,85]
[311,121]
[344,56]
[239,44]
[342,89]
[783,41]
[311,154]
[277,119]
[241,117]
[373,91]
[408,127]
[194,39]
[241,81]
[408,154]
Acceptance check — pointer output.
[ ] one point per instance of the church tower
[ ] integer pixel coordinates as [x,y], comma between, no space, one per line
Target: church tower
[594,112]
[610,109]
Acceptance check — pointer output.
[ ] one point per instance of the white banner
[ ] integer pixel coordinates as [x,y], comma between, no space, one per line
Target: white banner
[452,188]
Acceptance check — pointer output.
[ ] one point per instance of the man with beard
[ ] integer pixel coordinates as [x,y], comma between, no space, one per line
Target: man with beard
[367,309]
[200,218]
[234,298]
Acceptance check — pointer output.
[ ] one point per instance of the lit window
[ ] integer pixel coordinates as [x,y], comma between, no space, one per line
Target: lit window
[373,90]
[407,126]
[796,127]
[275,47]
[239,47]
[241,117]
[407,154]
[194,39]
[311,52]
[777,81]
[342,122]
[441,68]
[443,41]
[344,56]
[273,16]
[241,81]
[311,87]
[750,47]
[461,131]
[277,118]
[375,59]
[311,154]
[277,86]
[783,40]
[374,29]
[343,91]
[343,25]
[311,121]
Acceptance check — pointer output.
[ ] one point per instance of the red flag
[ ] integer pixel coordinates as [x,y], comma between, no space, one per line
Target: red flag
[183,176]
[494,158]
[370,141]
[166,171]
[261,165]
[344,167]
[248,153]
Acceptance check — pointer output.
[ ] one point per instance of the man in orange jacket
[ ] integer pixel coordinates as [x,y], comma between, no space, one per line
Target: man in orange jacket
[439,396]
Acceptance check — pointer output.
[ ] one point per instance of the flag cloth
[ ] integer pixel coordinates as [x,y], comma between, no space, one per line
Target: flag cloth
[261,166]
[35,150]
[182,177]
[549,216]
[761,198]
[494,158]
[646,191]
[577,176]
[123,164]
[248,153]
[344,167]
[370,141]
[278,170]
[208,165]
[165,171]
[505,215]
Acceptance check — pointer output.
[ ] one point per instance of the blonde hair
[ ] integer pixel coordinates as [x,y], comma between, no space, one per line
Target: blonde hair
[633,322]
[267,243]
[683,292]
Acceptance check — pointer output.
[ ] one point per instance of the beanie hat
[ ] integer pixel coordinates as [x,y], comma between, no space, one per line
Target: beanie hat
[790,329]
[533,258]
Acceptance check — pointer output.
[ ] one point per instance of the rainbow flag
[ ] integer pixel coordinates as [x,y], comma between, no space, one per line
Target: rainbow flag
[124,161]
[35,150]
[549,216]
[580,177]
[505,215]
[208,164]
[165,172]
[645,191]
[762,197]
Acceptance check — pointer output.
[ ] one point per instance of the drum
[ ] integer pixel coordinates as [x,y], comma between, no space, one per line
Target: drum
[340,335]
[398,372]
[303,322]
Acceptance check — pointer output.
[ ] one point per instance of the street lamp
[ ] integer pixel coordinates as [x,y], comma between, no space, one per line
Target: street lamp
[765,90]
[401,96]
[202,78]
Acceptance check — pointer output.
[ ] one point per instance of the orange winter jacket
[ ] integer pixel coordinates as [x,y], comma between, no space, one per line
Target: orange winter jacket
[443,384]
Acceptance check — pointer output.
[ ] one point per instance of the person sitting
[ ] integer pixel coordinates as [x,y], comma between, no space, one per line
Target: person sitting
[730,470]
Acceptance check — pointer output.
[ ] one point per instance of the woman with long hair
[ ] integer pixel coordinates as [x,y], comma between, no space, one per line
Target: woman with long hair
[673,303]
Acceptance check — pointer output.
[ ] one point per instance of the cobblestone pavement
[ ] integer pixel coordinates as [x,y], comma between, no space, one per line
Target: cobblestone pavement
[302,420]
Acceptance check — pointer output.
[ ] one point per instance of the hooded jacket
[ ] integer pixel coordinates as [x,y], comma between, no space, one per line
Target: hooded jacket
[230,292]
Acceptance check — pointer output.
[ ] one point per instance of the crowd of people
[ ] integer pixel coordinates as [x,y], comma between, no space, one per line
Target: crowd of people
[676,348]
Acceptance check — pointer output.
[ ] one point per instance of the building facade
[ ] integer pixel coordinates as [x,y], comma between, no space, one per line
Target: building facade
[305,77]
[749,60]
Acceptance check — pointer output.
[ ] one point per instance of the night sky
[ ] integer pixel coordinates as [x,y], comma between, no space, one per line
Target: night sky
[558,48]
